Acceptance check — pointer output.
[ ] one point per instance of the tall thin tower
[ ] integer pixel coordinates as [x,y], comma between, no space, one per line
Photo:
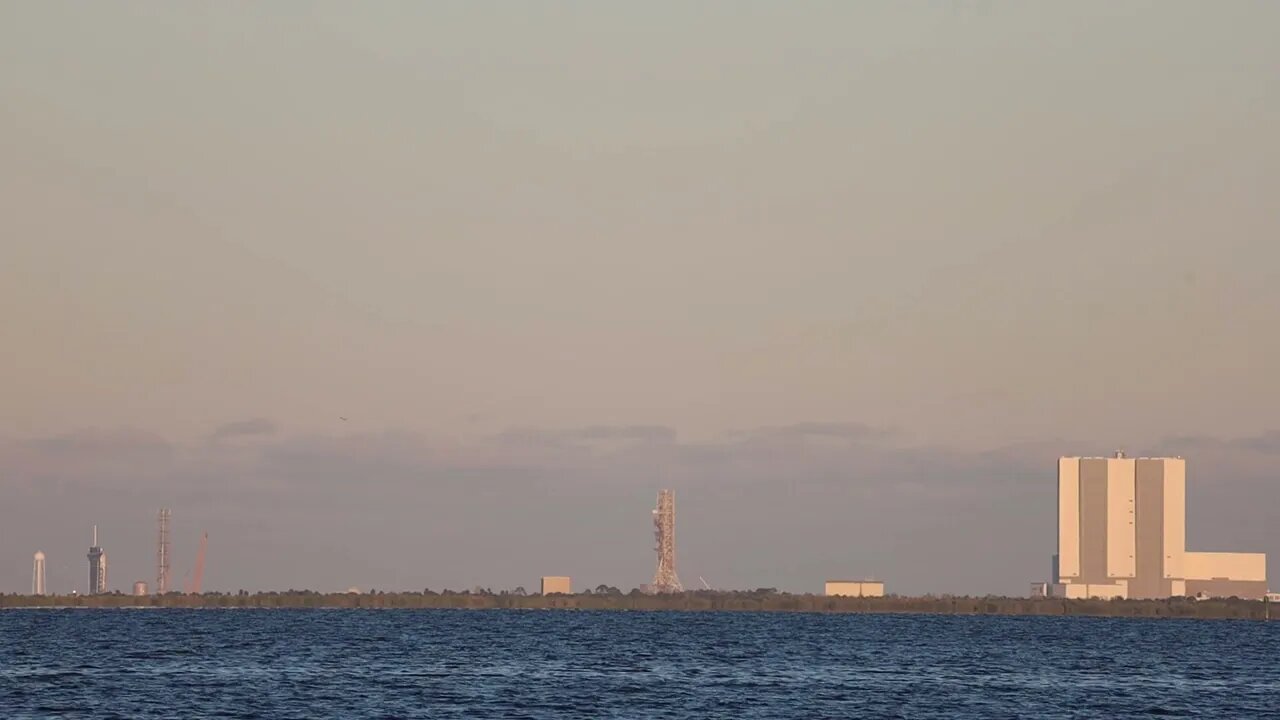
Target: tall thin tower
[162,552]
[37,575]
[664,523]
[97,566]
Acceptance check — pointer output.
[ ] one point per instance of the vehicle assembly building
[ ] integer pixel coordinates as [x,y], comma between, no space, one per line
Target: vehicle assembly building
[854,588]
[1122,532]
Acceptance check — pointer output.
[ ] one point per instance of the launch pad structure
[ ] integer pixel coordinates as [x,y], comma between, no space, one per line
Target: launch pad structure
[664,532]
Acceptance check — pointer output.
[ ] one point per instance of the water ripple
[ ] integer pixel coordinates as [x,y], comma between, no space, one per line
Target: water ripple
[497,664]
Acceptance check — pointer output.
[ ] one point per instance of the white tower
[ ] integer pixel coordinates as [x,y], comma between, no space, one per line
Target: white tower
[37,575]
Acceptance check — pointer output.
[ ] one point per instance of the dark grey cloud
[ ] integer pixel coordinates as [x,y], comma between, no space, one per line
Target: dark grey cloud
[1201,440]
[1210,459]
[530,437]
[114,442]
[645,433]
[564,437]
[256,427]
[90,458]
[852,432]
[1267,443]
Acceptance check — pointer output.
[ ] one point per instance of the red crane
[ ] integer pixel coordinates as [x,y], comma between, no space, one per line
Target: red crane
[198,580]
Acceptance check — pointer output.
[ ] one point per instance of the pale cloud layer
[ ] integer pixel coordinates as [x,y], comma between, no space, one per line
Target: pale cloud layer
[834,249]
[255,427]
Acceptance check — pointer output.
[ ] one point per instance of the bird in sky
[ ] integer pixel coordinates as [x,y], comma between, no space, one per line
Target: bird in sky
[342,418]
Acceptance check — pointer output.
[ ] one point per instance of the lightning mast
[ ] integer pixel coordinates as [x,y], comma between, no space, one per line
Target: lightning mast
[198,580]
[664,523]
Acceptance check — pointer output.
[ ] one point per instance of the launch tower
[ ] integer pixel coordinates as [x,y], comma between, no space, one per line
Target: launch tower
[97,566]
[664,524]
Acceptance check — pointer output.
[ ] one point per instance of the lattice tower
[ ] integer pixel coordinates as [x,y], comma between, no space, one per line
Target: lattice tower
[664,523]
[162,552]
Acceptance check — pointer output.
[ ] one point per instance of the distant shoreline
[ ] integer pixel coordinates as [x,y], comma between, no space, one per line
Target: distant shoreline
[702,601]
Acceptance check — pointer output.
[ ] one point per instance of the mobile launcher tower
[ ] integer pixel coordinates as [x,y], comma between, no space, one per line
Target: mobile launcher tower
[664,524]
[97,566]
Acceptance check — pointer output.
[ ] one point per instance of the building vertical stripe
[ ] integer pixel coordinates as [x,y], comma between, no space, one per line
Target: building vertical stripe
[1068,518]
[1175,517]
[1121,536]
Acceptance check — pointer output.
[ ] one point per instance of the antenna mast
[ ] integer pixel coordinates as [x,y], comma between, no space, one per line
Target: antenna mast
[162,552]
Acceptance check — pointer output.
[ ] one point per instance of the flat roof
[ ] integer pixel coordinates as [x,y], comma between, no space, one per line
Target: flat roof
[855,581]
[1113,457]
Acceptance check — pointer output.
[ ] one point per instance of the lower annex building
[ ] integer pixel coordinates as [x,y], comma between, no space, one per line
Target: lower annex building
[853,588]
[1122,533]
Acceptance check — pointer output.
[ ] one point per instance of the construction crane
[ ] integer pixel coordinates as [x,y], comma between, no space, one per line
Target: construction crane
[193,588]
[704,582]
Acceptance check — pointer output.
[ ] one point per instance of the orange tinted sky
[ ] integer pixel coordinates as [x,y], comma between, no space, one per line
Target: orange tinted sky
[974,223]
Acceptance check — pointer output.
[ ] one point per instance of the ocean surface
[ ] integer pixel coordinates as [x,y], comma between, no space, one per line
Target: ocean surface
[558,664]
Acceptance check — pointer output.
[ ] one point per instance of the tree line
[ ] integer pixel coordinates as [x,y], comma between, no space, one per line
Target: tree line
[610,598]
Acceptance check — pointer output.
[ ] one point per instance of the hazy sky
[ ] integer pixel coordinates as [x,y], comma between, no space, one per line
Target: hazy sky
[847,275]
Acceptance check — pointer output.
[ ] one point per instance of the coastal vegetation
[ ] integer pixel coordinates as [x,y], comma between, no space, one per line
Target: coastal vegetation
[608,598]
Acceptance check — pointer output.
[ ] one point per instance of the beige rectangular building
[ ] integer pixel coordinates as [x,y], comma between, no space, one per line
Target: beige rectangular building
[1218,574]
[553,584]
[1081,591]
[854,588]
[1122,533]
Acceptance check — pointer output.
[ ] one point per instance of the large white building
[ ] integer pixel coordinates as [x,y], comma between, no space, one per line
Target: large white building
[1122,532]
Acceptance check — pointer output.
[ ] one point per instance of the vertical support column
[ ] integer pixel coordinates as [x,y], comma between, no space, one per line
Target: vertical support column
[1068,519]
[1121,530]
[1175,519]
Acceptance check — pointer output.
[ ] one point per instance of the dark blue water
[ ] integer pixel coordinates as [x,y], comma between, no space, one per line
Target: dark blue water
[539,664]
